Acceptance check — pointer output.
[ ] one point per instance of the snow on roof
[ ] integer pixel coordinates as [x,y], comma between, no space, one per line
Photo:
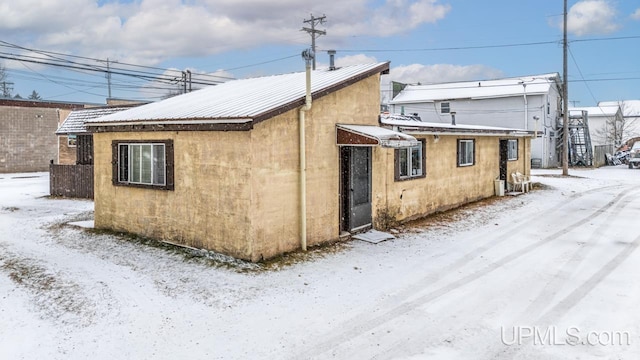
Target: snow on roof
[630,108]
[245,99]
[535,84]
[604,110]
[421,126]
[384,136]
[75,121]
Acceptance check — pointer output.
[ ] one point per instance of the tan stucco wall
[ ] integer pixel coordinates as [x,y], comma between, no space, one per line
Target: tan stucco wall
[276,220]
[446,185]
[210,205]
[238,192]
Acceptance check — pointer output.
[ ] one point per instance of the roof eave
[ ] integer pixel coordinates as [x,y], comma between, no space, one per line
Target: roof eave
[474,132]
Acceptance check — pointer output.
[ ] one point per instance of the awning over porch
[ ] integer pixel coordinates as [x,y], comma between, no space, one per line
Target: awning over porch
[368,135]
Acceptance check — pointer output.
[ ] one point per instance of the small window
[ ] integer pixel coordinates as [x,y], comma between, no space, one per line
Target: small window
[512,149]
[445,108]
[410,162]
[72,140]
[466,152]
[143,164]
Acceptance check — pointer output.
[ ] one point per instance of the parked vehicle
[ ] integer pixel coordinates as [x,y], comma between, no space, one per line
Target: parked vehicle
[634,155]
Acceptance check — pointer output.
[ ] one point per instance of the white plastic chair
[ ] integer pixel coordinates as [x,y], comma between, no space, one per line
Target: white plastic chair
[521,181]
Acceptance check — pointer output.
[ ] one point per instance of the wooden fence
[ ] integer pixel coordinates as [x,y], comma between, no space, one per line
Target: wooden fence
[599,154]
[71,180]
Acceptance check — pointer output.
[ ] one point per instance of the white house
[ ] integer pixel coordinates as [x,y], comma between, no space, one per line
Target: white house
[604,123]
[530,102]
[631,117]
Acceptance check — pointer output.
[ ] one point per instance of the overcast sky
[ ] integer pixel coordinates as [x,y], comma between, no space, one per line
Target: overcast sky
[426,41]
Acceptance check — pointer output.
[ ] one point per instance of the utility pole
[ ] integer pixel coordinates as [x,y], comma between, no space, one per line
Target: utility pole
[565,102]
[108,76]
[314,33]
[6,88]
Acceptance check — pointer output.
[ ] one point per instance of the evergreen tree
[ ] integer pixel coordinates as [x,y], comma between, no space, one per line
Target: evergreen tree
[35,96]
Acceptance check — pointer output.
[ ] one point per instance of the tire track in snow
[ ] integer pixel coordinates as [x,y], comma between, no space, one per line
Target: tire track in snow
[570,301]
[404,346]
[53,294]
[565,272]
[361,324]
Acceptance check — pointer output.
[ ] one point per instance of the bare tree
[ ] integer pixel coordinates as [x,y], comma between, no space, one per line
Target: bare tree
[619,129]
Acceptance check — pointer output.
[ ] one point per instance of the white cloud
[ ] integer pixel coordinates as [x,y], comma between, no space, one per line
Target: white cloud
[592,17]
[355,60]
[354,18]
[149,31]
[636,14]
[440,73]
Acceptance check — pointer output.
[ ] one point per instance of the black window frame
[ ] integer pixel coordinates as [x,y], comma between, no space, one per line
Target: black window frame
[120,164]
[458,149]
[398,177]
[445,107]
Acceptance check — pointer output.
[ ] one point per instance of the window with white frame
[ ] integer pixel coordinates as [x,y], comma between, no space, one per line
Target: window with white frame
[410,162]
[144,164]
[445,108]
[71,140]
[466,152]
[512,149]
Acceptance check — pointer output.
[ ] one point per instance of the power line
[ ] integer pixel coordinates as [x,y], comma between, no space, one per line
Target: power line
[51,53]
[535,43]
[451,48]
[313,22]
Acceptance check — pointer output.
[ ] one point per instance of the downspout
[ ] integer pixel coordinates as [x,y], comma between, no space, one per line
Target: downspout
[308,56]
[526,107]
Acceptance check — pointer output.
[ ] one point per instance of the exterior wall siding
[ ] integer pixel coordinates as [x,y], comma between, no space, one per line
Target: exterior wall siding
[502,112]
[210,206]
[276,219]
[446,185]
[27,138]
[237,192]
[66,153]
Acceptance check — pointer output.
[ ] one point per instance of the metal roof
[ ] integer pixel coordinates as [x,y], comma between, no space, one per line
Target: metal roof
[75,121]
[384,137]
[603,110]
[421,127]
[630,108]
[535,84]
[243,100]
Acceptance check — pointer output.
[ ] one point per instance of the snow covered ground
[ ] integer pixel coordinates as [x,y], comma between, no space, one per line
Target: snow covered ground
[552,274]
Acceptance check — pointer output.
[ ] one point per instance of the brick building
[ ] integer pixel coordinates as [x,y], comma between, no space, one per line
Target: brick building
[27,133]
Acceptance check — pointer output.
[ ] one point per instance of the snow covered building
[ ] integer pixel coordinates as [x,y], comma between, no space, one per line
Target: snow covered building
[630,117]
[75,144]
[530,102]
[254,168]
[604,124]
